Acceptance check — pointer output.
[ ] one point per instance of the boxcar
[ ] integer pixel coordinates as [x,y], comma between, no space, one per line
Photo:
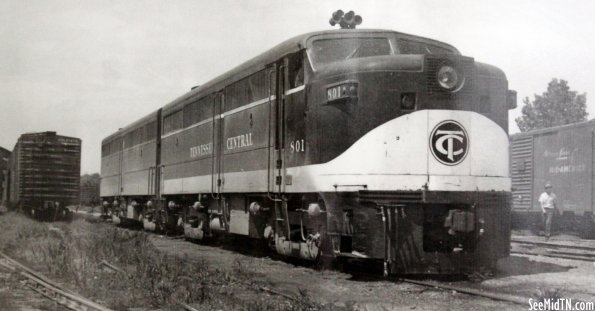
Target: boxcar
[348,144]
[44,174]
[562,156]
[4,156]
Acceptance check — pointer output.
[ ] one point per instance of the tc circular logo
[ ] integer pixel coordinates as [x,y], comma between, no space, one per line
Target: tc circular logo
[449,142]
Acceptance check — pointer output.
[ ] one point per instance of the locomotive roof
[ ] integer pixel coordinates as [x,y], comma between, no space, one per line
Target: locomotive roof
[290,46]
[259,62]
[122,131]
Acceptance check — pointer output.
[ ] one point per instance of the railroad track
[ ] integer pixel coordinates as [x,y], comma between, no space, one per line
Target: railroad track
[464,289]
[430,284]
[49,288]
[555,250]
[471,291]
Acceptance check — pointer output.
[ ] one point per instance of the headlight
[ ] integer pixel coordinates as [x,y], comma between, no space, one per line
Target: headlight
[449,78]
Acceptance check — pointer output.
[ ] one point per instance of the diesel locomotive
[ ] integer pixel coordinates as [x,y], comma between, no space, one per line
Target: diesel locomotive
[344,144]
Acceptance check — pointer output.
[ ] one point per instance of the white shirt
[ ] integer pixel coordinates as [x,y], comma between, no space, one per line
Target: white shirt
[547,200]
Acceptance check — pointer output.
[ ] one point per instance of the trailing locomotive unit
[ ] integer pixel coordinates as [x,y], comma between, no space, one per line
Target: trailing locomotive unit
[366,144]
[44,175]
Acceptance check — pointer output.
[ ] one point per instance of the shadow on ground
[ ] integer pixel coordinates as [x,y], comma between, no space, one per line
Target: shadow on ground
[518,265]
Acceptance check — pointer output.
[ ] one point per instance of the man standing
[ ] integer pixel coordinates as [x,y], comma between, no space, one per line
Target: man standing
[547,200]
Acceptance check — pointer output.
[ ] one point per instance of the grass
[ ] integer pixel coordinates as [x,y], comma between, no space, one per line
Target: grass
[74,252]
[552,294]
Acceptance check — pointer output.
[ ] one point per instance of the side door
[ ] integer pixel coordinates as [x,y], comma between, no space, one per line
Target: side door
[120,144]
[278,117]
[289,112]
[217,163]
[272,170]
[295,116]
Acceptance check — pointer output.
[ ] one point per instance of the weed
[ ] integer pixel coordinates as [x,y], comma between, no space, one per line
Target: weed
[548,293]
[74,252]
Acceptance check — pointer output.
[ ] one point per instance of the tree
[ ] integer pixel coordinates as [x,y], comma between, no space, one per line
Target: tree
[557,106]
[90,189]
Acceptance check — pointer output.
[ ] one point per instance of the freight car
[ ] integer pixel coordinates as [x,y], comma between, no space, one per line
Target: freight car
[334,145]
[4,156]
[44,175]
[564,157]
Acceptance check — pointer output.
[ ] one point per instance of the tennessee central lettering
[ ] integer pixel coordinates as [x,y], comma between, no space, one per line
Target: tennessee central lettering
[240,141]
[201,150]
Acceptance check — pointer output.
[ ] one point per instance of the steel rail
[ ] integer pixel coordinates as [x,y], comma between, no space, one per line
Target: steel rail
[49,288]
[555,250]
[554,245]
[553,255]
[471,291]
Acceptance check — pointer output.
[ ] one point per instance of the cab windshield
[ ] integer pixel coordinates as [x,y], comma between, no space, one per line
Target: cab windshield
[420,47]
[327,51]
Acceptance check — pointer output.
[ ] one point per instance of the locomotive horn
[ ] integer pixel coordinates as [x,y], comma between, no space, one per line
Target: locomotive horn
[336,18]
[352,20]
[358,20]
[343,24]
[338,14]
[349,17]
[346,20]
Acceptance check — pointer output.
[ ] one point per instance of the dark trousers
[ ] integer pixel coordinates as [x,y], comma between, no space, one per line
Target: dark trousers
[547,221]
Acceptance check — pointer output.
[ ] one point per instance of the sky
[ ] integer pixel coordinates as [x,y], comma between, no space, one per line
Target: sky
[87,68]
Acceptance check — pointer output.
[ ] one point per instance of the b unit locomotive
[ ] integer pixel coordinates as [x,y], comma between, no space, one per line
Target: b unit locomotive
[365,144]
[44,175]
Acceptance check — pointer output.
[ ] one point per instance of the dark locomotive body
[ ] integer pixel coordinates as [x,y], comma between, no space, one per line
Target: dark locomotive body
[330,146]
[563,157]
[44,175]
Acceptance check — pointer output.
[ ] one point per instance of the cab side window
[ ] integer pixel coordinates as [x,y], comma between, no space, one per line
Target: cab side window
[295,69]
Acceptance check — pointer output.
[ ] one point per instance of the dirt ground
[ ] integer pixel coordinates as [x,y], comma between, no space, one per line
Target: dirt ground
[520,275]
[332,288]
